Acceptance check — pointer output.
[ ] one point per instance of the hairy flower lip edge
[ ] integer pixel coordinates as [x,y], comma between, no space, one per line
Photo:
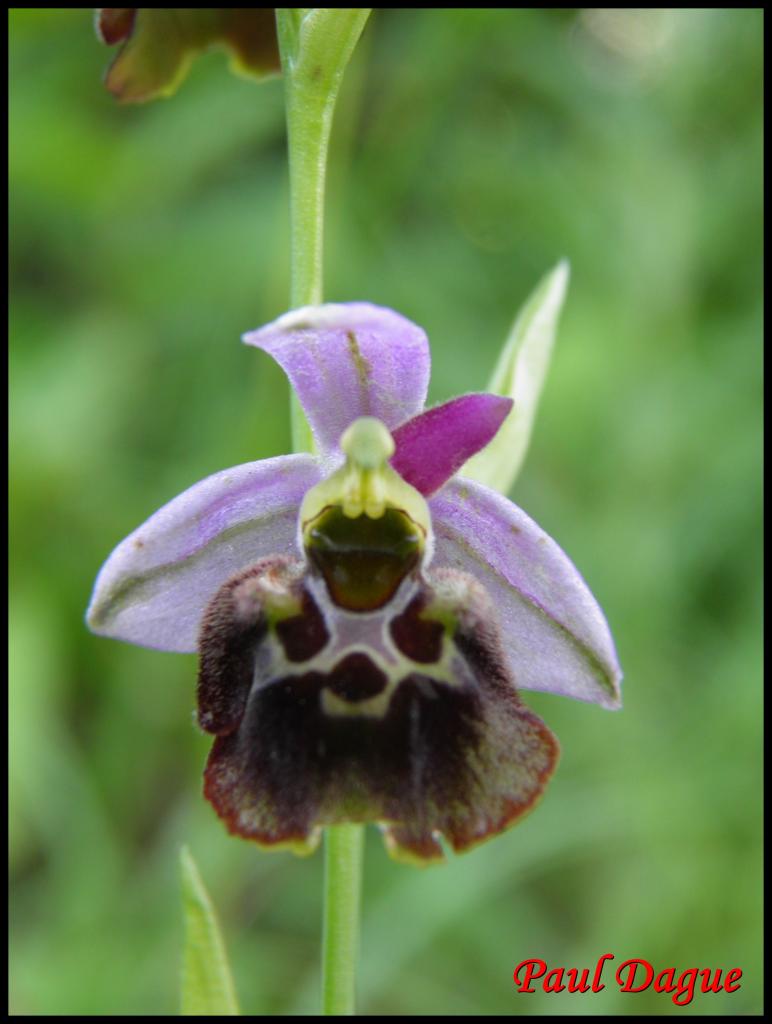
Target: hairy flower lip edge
[399,853]
[346,360]
[305,847]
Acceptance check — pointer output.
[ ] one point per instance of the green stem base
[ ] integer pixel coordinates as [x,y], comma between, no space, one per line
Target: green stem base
[342,885]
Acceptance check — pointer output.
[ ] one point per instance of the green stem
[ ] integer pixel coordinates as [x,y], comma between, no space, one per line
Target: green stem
[309,121]
[315,46]
[342,884]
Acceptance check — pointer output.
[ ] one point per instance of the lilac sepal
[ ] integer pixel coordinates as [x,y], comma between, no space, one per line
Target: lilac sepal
[555,634]
[155,585]
[435,445]
[348,360]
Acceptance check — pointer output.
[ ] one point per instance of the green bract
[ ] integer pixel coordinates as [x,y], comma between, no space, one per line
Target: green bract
[520,374]
[206,983]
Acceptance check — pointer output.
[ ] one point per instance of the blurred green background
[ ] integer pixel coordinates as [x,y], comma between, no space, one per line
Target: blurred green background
[472,150]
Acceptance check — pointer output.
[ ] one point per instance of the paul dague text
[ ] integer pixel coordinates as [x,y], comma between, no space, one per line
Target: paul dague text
[631,976]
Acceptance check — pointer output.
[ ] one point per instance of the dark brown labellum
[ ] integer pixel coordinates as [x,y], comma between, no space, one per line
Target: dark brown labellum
[406,716]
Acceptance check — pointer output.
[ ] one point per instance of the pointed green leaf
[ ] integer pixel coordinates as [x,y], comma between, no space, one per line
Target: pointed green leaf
[207,984]
[519,375]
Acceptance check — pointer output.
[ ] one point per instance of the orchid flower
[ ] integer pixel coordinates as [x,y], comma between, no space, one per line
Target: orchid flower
[364,616]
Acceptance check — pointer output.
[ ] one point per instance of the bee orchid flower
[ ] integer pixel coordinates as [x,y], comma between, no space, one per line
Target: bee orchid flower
[365,617]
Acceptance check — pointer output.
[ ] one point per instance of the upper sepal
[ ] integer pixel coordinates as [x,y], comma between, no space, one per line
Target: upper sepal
[349,360]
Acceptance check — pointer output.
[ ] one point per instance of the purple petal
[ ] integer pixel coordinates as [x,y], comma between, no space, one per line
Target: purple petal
[555,635]
[346,361]
[154,587]
[434,445]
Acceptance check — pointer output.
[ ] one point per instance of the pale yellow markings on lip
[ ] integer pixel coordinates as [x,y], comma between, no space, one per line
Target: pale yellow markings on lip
[300,847]
[373,707]
[378,706]
[406,856]
[450,669]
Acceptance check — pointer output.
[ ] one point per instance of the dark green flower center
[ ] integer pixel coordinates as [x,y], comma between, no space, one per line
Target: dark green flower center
[363,560]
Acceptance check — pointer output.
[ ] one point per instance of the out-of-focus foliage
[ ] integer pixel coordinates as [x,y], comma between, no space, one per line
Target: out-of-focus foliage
[473,149]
